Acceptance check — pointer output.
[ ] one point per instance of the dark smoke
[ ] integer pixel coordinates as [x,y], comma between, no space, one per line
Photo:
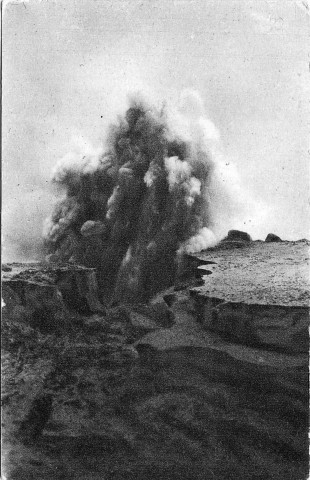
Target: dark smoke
[131,211]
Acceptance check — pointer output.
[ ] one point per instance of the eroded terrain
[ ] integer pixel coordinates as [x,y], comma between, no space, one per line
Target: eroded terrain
[206,381]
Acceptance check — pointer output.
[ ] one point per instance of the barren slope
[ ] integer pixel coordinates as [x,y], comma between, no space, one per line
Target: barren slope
[207,382]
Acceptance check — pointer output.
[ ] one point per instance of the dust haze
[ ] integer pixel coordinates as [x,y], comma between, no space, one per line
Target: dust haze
[68,71]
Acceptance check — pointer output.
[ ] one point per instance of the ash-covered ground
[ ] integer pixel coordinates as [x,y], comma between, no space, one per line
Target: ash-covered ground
[206,380]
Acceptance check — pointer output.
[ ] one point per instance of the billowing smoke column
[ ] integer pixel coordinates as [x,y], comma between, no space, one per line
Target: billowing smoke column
[131,211]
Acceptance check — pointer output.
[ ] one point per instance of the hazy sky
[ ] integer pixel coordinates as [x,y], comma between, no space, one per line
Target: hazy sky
[69,64]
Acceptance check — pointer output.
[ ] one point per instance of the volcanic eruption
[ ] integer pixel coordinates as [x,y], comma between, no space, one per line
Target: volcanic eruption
[132,208]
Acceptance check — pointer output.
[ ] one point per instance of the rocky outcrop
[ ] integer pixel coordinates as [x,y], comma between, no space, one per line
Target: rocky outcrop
[258,296]
[205,381]
[276,327]
[43,295]
[271,237]
[237,236]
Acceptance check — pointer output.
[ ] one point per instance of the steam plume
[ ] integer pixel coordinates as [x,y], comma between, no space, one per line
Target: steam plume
[130,209]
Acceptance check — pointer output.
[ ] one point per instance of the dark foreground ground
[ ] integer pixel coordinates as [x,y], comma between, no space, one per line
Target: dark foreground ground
[172,390]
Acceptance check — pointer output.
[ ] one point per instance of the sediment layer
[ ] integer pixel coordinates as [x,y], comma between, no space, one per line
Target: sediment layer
[196,384]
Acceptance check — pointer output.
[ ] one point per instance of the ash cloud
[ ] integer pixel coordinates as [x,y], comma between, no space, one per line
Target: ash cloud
[133,207]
